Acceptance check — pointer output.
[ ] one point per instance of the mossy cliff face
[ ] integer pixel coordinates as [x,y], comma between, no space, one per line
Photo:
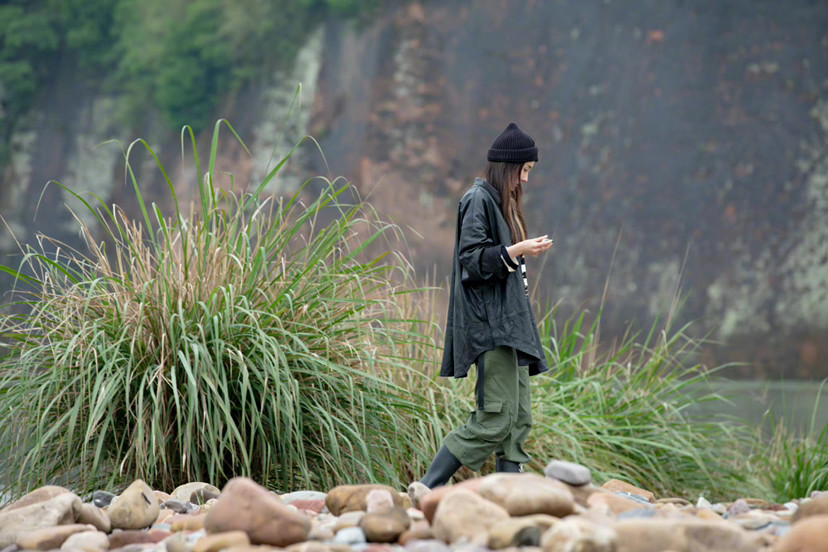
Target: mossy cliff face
[686,142]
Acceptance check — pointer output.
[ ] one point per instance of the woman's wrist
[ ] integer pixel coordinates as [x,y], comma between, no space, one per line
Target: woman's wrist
[514,251]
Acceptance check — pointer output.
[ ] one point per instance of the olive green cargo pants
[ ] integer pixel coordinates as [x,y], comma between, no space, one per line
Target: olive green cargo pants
[503,417]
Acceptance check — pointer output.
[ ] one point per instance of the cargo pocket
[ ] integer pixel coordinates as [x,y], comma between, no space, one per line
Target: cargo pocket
[492,422]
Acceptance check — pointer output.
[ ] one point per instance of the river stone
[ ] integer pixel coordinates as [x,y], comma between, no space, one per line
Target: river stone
[119,539]
[350,536]
[427,546]
[303,495]
[136,508]
[185,492]
[49,538]
[416,492]
[219,541]
[690,535]
[378,499]
[807,535]
[431,501]
[92,515]
[465,514]
[178,543]
[737,508]
[615,503]
[246,506]
[384,524]
[202,495]
[62,509]
[674,500]
[320,531]
[314,506]
[815,507]
[523,494]
[179,506]
[187,522]
[41,494]
[568,472]
[102,499]
[349,498]
[86,541]
[578,534]
[519,531]
[620,486]
[420,530]
[348,519]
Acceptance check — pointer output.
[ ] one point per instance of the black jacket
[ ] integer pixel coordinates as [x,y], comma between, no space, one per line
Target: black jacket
[488,305]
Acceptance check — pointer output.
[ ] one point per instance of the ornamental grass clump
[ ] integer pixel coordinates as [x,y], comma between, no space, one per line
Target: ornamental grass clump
[241,336]
[628,411]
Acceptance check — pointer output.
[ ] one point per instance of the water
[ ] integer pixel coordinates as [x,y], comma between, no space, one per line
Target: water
[800,405]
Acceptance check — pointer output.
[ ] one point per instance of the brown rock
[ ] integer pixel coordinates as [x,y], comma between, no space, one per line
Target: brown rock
[162,496]
[348,498]
[219,541]
[615,503]
[348,519]
[186,522]
[431,500]
[246,506]
[316,506]
[92,515]
[808,535]
[416,492]
[619,486]
[86,541]
[519,531]
[406,500]
[814,507]
[119,539]
[136,508]
[61,509]
[575,533]
[41,494]
[49,538]
[185,492]
[384,525]
[674,500]
[253,548]
[524,494]
[465,514]
[708,514]
[581,493]
[419,530]
[690,535]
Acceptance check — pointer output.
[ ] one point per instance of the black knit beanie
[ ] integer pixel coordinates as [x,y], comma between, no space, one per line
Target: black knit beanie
[513,146]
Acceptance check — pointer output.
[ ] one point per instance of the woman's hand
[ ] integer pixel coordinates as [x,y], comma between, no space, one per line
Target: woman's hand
[532,246]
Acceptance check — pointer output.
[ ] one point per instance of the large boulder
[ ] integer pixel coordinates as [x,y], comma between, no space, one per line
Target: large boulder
[61,509]
[349,498]
[136,508]
[465,514]
[246,506]
[523,494]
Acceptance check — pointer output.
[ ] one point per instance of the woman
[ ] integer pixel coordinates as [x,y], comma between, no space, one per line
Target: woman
[490,319]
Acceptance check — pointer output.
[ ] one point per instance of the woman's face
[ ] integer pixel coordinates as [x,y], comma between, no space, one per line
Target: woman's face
[525,170]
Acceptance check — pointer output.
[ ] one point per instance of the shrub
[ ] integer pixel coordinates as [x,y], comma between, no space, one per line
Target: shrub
[245,336]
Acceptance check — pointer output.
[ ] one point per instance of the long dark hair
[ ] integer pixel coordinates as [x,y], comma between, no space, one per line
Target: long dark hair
[505,178]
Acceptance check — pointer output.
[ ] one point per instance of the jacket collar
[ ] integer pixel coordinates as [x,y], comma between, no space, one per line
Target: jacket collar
[489,188]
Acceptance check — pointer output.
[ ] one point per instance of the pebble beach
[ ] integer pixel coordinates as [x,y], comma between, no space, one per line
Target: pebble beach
[562,510]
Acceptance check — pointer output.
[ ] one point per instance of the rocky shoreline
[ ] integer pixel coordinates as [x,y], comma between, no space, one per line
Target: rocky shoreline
[561,511]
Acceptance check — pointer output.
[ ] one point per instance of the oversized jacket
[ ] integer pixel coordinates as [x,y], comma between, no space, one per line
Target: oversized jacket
[488,304]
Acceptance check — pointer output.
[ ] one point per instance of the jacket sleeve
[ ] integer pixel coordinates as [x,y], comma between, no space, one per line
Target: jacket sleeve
[480,257]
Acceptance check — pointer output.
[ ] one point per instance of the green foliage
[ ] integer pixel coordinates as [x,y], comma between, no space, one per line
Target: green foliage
[244,336]
[797,464]
[174,56]
[624,412]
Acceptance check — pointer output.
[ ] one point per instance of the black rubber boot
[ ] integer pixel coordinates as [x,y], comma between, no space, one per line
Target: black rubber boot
[507,466]
[442,468]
